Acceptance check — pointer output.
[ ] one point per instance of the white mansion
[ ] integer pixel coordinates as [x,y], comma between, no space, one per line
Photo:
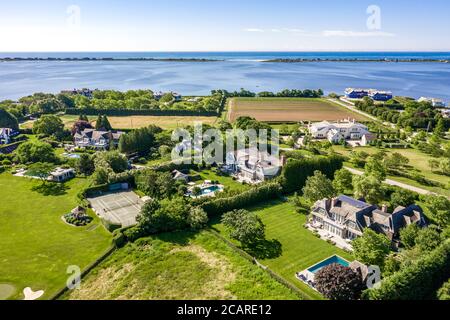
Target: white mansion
[341,130]
[252,165]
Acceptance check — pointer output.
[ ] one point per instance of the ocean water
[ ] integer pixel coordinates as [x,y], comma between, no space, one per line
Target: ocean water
[237,70]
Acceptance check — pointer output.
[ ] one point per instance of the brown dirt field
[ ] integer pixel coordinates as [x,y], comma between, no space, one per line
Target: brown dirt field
[289,110]
[134,122]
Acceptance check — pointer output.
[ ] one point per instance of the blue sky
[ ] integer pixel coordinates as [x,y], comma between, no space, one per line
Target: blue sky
[231,25]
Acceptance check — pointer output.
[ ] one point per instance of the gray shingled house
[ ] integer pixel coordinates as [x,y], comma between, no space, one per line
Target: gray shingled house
[347,218]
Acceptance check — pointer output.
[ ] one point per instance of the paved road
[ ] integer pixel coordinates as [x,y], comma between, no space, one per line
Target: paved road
[395,183]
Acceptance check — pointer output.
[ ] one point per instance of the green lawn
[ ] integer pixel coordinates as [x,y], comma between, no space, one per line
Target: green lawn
[418,162]
[36,246]
[179,265]
[300,249]
[226,181]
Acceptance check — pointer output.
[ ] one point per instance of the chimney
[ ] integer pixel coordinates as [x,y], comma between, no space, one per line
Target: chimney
[384,208]
[334,202]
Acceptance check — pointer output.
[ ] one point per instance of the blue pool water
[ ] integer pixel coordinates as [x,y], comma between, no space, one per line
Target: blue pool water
[210,190]
[72,156]
[331,260]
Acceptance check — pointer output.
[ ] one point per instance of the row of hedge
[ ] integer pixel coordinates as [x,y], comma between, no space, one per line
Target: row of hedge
[248,198]
[296,172]
[418,281]
[124,112]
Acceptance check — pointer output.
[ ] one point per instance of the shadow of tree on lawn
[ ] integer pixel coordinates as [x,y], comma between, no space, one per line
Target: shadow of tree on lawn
[266,249]
[50,189]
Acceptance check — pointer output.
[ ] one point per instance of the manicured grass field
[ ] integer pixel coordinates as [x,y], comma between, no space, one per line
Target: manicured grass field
[134,122]
[226,181]
[36,246]
[288,110]
[179,266]
[418,162]
[300,249]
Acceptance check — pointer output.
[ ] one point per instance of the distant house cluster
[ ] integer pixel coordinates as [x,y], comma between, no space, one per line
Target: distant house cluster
[252,165]
[341,131]
[436,103]
[376,95]
[6,134]
[88,93]
[160,94]
[347,218]
[97,139]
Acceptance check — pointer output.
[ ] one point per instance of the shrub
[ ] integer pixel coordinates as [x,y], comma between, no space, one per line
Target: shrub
[444,291]
[417,281]
[337,282]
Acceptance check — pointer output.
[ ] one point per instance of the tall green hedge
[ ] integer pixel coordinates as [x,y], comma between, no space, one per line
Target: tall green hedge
[7,120]
[143,112]
[251,197]
[419,281]
[296,172]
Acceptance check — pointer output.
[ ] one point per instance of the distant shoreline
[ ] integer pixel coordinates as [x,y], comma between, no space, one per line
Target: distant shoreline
[112,59]
[300,60]
[278,60]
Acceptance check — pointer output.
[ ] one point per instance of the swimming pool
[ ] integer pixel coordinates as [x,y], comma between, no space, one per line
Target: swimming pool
[211,189]
[71,155]
[334,259]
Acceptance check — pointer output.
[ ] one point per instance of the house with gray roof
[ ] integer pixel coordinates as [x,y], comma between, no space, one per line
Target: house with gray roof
[97,139]
[347,218]
[6,134]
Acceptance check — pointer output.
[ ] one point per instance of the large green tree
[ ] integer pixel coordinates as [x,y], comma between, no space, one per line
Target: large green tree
[35,151]
[244,226]
[85,164]
[41,170]
[369,188]
[343,181]
[48,125]
[438,208]
[318,187]
[409,235]
[371,248]
[428,239]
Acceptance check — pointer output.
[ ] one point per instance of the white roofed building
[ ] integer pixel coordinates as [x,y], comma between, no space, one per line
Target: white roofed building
[253,165]
[337,131]
[436,103]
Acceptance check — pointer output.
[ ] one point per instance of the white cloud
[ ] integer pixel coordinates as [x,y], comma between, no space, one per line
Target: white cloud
[276,30]
[295,30]
[355,34]
[253,30]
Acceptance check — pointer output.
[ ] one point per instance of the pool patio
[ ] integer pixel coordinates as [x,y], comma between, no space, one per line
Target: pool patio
[308,275]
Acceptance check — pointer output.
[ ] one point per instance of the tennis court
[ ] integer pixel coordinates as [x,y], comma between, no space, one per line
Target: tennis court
[118,207]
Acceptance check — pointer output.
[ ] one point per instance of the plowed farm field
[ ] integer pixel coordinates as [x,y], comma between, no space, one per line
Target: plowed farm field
[289,110]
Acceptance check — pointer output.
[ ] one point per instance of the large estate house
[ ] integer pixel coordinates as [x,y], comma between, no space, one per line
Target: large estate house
[436,103]
[6,134]
[341,130]
[347,218]
[377,95]
[88,93]
[160,94]
[97,139]
[252,165]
